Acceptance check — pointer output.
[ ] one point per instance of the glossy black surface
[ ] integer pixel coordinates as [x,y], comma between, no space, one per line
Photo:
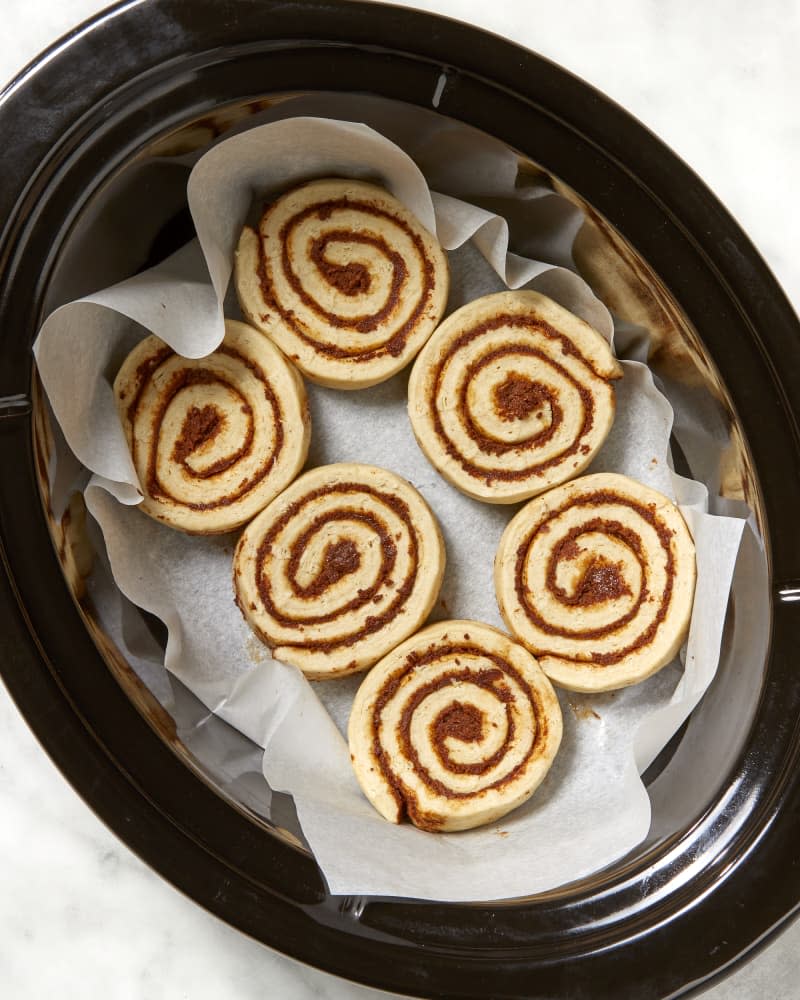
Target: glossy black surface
[710,893]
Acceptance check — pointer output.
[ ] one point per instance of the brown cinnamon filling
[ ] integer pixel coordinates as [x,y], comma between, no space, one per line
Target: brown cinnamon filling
[494,446]
[458,721]
[144,373]
[339,560]
[602,580]
[201,424]
[517,396]
[514,398]
[462,721]
[362,597]
[351,279]
[344,558]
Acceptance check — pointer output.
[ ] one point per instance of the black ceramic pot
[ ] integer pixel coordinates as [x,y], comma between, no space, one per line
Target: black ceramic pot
[719,872]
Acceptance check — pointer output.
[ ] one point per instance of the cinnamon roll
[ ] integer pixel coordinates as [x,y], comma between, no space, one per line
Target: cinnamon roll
[344,565]
[344,280]
[512,395]
[597,579]
[454,728]
[213,439]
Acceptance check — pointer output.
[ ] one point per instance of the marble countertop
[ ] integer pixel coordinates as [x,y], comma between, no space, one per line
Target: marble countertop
[80,915]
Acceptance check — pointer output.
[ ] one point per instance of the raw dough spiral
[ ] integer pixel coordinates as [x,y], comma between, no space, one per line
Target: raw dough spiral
[213,439]
[454,728]
[344,279]
[597,579]
[343,566]
[512,395]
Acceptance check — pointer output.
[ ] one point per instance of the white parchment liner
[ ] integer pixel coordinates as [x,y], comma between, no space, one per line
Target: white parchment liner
[593,807]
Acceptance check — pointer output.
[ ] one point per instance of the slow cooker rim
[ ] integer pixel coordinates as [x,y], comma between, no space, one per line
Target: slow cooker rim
[15,426]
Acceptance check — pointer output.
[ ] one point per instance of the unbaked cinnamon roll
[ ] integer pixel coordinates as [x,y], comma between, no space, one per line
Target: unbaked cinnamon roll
[344,279]
[454,728]
[597,579]
[512,395]
[340,568]
[213,439]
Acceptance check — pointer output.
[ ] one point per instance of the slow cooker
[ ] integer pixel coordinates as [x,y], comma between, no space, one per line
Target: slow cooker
[658,248]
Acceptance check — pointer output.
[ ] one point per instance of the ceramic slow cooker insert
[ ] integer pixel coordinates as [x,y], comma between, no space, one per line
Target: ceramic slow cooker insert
[656,247]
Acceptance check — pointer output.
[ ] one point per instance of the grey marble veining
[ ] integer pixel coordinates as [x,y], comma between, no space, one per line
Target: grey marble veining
[80,916]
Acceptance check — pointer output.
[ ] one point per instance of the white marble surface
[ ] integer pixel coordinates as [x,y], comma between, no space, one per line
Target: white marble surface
[80,916]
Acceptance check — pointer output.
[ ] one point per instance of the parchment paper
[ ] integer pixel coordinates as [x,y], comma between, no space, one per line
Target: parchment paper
[593,807]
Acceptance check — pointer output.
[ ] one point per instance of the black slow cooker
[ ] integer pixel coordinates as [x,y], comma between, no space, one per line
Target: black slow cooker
[723,852]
